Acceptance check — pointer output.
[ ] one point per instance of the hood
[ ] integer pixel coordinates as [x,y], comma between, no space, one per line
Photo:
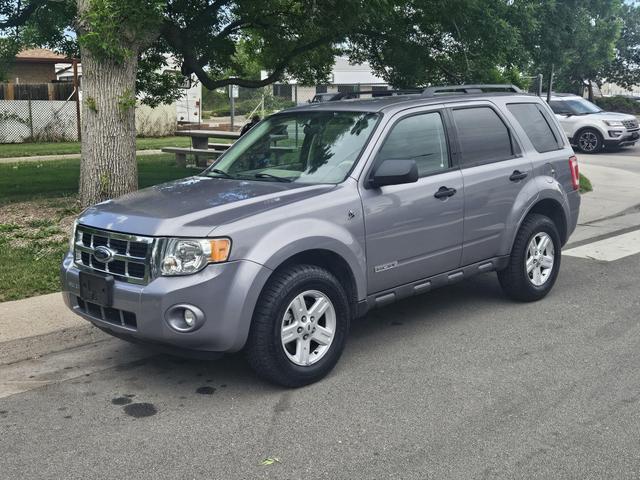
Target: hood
[194,206]
[614,116]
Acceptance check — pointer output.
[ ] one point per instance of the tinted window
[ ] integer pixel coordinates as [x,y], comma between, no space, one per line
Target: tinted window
[533,121]
[483,136]
[420,138]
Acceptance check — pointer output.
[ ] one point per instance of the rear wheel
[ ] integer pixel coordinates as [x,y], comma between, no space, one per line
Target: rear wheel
[589,141]
[299,327]
[535,260]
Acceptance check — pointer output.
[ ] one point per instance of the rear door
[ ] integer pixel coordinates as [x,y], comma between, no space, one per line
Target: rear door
[494,172]
[411,234]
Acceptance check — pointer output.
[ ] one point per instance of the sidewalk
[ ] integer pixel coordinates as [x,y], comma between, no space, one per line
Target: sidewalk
[614,191]
[40,325]
[68,156]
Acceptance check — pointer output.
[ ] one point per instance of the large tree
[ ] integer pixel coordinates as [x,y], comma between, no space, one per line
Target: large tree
[624,70]
[121,42]
[573,38]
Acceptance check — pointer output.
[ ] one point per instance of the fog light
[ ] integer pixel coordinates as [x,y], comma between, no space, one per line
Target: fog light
[189,317]
[185,318]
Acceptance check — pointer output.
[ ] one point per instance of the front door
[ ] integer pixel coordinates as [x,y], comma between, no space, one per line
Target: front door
[411,234]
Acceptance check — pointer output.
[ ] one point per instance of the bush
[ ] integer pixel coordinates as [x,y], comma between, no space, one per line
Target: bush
[619,104]
[585,184]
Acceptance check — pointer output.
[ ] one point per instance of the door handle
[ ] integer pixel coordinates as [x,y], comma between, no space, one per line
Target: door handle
[445,192]
[518,175]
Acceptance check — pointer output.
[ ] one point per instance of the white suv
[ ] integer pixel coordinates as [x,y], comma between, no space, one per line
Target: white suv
[589,128]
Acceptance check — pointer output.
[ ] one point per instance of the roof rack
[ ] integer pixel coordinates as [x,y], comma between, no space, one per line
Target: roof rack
[470,89]
[377,93]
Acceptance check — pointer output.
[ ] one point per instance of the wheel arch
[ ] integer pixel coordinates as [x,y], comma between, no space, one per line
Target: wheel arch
[578,132]
[554,210]
[329,260]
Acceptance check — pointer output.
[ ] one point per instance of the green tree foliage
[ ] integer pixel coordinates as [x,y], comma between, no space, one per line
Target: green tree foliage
[625,67]
[576,37]
[419,42]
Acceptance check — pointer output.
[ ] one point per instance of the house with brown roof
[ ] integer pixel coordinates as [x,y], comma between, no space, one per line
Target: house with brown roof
[35,65]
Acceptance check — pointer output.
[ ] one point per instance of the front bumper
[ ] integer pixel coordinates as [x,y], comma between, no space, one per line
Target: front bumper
[227,294]
[616,138]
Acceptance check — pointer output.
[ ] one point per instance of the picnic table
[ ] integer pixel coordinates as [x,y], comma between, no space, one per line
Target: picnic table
[200,145]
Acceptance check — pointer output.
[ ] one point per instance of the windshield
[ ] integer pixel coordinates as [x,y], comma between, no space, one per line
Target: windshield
[303,147]
[577,106]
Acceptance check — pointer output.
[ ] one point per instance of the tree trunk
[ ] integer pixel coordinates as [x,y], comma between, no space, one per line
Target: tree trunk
[590,88]
[108,168]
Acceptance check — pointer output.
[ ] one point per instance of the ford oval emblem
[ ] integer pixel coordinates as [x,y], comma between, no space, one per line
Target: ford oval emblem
[103,254]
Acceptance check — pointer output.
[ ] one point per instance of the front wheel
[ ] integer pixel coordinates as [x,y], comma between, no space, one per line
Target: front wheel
[589,141]
[299,326]
[535,260]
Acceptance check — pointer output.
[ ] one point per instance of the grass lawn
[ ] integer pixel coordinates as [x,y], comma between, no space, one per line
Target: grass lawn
[37,208]
[61,148]
[54,178]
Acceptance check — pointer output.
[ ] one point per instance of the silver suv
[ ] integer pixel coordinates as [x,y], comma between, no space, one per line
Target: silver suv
[589,127]
[323,212]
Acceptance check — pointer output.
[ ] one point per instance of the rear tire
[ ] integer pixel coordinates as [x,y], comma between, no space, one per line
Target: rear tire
[534,261]
[282,346]
[589,140]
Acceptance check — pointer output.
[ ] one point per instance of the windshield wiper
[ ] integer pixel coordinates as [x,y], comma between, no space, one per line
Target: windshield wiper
[221,172]
[275,177]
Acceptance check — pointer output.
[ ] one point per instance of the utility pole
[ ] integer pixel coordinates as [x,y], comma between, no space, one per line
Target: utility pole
[233,104]
[550,86]
[540,85]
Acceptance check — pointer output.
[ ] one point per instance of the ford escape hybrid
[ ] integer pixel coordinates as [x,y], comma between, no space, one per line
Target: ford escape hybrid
[323,212]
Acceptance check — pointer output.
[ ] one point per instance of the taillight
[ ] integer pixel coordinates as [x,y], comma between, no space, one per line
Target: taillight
[575,172]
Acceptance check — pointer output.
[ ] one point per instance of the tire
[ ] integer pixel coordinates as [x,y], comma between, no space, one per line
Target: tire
[517,281]
[291,365]
[589,140]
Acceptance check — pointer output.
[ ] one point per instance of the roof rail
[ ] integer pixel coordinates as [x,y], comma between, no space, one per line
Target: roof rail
[378,93]
[469,89]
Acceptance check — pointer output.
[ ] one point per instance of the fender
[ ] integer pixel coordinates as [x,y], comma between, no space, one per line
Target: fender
[300,235]
[548,189]
[527,197]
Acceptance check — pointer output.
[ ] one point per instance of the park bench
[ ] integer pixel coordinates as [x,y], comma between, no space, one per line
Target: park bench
[199,153]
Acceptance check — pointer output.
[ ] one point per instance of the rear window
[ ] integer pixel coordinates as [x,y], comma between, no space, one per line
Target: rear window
[535,124]
[483,136]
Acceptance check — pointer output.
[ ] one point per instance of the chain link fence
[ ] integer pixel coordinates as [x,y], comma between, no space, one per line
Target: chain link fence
[37,113]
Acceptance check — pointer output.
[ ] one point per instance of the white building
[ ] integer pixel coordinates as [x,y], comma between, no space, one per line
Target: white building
[344,78]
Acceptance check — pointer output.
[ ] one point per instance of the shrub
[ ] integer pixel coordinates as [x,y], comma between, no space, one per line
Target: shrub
[619,104]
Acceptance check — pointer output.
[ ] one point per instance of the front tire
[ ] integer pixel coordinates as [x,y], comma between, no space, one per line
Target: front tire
[589,140]
[299,326]
[535,260]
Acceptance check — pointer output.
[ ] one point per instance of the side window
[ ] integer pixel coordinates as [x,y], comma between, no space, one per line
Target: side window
[483,136]
[421,138]
[534,123]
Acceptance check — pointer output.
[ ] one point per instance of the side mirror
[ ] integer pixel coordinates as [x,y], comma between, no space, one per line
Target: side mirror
[394,172]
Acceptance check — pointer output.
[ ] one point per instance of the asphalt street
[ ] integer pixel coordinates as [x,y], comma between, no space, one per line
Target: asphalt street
[458,383]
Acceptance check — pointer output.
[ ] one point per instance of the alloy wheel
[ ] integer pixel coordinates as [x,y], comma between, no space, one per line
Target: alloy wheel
[588,142]
[308,327]
[540,259]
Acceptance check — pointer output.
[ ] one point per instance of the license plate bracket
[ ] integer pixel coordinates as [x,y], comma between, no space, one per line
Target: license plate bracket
[96,288]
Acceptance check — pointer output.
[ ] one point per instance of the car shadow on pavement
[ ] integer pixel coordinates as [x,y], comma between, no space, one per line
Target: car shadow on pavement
[386,327]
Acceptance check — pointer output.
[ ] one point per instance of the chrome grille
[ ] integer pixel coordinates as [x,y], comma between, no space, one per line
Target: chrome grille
[131,259]
[630,124]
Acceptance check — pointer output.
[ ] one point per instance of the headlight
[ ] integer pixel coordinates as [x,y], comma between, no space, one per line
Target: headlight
[183,256]
[614,123]
[72,238]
